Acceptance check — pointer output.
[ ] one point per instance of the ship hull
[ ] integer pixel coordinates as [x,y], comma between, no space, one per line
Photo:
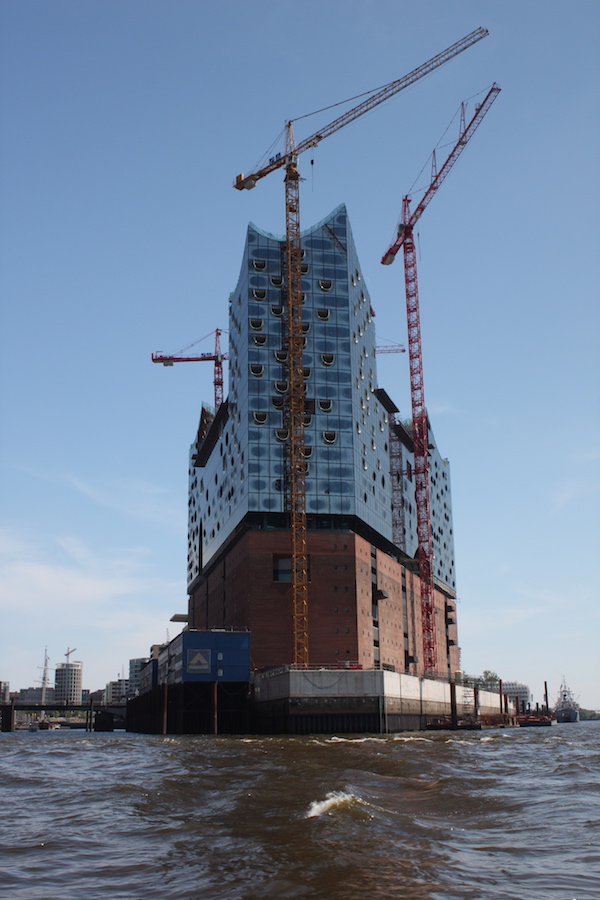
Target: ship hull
[567,715]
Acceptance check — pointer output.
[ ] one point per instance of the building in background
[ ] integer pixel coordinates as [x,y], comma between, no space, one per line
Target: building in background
[515,691]
[35,695]
[67,682]
[97,696]
[117,691]
[4,691]
[135,669]
[364,590]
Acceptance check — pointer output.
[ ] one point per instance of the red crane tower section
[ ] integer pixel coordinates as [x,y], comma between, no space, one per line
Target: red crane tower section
[405,239]
[217,357]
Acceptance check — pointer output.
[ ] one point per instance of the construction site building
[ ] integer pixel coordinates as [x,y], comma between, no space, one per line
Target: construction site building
[364,591]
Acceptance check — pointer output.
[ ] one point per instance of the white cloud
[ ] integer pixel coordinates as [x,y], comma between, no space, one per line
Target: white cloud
[445,409]
[132,498]
[110,605]
[128,497]
[573,490]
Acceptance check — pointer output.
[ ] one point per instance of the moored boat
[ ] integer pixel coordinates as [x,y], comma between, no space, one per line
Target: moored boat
[535,720]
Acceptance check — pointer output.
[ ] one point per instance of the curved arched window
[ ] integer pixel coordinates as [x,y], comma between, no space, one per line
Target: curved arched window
[329,437]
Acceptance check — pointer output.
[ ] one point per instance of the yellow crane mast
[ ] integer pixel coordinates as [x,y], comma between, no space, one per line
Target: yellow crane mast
[294,405]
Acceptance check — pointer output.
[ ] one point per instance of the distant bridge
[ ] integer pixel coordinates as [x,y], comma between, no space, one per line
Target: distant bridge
[98,716]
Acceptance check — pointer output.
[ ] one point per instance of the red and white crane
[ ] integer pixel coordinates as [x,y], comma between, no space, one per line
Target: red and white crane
[294,411]
[405,239]
[217,357]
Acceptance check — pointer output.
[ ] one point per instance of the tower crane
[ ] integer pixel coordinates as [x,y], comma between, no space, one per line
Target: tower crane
[295,495]
[405,240]
[217,357]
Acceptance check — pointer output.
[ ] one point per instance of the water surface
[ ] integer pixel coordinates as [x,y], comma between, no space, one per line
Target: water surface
[512,813]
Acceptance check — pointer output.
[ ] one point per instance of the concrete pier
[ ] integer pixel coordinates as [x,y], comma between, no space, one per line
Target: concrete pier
[315,701]
[304,701]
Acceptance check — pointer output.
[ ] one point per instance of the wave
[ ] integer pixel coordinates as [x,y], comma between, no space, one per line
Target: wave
[333,800]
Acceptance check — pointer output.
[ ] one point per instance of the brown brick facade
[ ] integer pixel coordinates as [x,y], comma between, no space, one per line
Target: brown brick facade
[363,605]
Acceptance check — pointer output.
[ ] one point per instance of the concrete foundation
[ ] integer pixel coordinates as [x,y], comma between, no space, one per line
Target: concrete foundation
[316,701]
[376,701]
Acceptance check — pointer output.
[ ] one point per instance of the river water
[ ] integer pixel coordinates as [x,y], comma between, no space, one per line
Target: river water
[511,813]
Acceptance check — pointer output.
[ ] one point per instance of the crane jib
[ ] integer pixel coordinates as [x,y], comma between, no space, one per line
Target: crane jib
[406,227]
[249,181]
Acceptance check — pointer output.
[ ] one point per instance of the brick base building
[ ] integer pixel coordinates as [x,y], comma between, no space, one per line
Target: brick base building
[363,604]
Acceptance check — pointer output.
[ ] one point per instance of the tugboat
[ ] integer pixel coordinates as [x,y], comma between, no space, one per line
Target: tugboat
[567,708]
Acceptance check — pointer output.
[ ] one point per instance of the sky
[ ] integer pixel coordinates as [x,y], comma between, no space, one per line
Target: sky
[124,125]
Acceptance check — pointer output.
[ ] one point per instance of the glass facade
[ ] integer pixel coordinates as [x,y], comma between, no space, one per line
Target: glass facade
[441,510]
[346,427]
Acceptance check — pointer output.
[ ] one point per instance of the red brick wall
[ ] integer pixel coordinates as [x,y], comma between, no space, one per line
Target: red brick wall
[391,619]
[364,593]
[239,592]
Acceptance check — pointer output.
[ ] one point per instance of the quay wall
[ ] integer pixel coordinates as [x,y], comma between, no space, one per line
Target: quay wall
[315,701]
[352,700]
